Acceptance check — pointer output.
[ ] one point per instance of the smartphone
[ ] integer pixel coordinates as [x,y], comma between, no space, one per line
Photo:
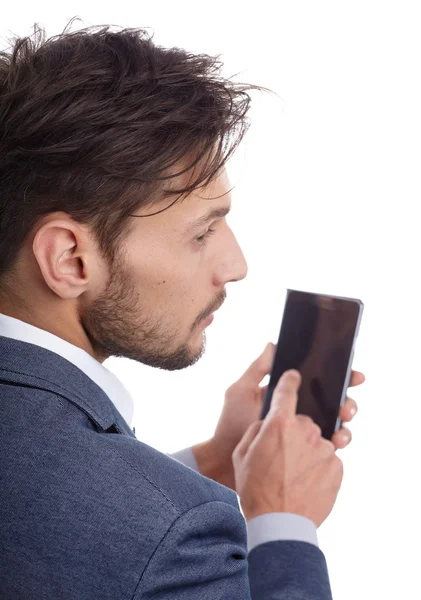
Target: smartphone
[317,338]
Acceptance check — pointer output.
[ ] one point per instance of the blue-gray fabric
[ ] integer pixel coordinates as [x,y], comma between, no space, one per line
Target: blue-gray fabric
[89,512]
[276,526]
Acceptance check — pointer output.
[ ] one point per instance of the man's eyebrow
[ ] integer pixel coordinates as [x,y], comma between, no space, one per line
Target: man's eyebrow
[214,213]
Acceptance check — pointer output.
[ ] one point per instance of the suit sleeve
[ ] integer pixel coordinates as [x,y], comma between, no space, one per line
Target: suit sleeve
[203,556]
[288,570]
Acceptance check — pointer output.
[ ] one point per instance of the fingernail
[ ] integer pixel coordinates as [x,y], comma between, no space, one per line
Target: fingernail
[345,437]
[353,411]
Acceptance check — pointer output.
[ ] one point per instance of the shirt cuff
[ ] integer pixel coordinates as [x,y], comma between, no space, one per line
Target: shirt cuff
[272,527]
[186,457]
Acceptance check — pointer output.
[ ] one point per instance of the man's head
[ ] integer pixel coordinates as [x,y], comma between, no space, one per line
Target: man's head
[111,151]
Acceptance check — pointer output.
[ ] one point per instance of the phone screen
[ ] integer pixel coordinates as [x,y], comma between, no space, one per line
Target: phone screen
[317,338]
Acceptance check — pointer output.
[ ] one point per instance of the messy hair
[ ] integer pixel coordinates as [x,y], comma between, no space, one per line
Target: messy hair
[93,123]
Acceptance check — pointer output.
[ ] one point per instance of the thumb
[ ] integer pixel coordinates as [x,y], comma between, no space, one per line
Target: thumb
[260,367]
[285,394]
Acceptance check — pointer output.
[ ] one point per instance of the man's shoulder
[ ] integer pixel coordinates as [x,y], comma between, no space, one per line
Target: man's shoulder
[108,495]
[176,484]
[91,506]
[68,452]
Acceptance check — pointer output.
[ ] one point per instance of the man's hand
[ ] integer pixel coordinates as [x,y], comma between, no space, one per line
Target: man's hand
[242,406]
[283,464]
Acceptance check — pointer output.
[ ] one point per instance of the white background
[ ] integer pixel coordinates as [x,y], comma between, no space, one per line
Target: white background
[327,199]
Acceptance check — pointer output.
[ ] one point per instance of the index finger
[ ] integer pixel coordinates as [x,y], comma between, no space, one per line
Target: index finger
[285,394]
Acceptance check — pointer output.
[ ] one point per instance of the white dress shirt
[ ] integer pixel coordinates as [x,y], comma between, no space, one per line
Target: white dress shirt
[261,529]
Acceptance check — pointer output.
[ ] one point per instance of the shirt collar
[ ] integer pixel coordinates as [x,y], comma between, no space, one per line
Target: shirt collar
[112,386]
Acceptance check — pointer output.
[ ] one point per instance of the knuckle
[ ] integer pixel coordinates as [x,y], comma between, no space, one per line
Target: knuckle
[304,419]
[309,425]
[316,429]
[280,421]
[278,418]
[328,447]
[285,421]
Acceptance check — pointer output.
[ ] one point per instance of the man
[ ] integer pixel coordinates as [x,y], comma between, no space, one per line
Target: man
[100,257]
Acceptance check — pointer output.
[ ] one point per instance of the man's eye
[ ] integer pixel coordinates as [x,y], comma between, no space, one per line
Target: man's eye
[202,238]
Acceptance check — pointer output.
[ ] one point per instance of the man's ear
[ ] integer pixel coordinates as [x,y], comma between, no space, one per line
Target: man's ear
[60,251]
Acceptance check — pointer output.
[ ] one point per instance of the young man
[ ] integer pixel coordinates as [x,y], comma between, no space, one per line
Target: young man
[113,242]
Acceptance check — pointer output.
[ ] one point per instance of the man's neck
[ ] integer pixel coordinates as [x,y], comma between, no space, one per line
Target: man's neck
[56,325]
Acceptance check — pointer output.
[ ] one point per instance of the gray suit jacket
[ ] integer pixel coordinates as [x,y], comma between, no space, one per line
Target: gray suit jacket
[89,512]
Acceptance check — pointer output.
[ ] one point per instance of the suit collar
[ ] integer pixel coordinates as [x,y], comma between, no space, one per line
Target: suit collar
[17,329]
[29,365]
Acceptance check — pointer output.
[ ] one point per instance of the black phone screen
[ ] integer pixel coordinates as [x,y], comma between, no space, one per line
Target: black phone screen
[316,338]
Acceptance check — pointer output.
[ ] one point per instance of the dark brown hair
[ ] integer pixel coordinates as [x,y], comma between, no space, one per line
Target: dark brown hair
[92,122]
